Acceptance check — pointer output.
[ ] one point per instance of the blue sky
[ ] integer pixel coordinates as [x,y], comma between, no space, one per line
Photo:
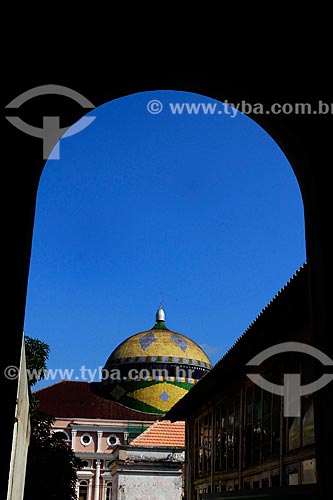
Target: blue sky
[201,208]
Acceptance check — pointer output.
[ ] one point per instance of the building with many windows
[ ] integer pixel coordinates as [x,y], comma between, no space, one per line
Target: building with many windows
[243,441]
[93,427]
[146,375]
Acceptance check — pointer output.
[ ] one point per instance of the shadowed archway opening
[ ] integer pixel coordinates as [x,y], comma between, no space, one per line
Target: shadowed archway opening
[166,193]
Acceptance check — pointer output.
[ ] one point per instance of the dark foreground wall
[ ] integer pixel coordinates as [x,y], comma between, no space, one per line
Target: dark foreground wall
[306,140]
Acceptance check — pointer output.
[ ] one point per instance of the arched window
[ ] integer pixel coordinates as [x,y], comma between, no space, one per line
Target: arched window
[108,491]
[62,435]
[83,490]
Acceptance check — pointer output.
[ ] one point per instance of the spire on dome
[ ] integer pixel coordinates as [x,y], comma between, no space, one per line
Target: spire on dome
[160,314]
[160,318]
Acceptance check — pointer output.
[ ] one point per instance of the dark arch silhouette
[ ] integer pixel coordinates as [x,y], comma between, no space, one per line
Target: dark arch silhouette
[305,139]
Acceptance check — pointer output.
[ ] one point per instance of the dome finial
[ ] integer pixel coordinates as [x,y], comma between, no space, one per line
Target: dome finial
[160,314]
[160,318]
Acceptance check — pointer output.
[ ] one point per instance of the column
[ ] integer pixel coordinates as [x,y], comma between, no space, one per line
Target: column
[90,488]
[99,441]
[73,439]
[97,479]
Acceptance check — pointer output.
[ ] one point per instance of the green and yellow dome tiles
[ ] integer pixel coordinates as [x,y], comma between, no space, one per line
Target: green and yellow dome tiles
[151,370]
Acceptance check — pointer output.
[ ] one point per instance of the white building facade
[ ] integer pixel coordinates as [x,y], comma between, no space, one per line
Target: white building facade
[147,473]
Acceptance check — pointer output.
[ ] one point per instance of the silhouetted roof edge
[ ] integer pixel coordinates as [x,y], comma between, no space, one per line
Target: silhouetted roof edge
[262,312]
[183,407]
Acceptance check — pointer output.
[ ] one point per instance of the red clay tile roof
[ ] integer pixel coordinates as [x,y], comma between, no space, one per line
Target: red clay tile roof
[162,433]
[81,400]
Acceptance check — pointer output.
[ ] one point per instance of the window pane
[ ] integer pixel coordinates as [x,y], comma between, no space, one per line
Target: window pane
[293,479]
[223,441]
[257,409]
[257,403]
[248,427]
[210,443]
[203,446]
[309,475]
[108,494]
[236,435]
[246,484]
[83,492]
[266,403]
[266,438]
[276,478]
[294,434]
[230,437]
[265,483]
[276,426]
[308,436]
[220,458]
[248,446]
[249,405]
[293,474]
[256,442]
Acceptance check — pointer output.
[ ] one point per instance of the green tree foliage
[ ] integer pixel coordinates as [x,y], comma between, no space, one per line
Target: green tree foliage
[51,465]
[36,353]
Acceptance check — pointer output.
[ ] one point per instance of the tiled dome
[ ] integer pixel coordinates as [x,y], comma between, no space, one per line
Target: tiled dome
[151,370]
